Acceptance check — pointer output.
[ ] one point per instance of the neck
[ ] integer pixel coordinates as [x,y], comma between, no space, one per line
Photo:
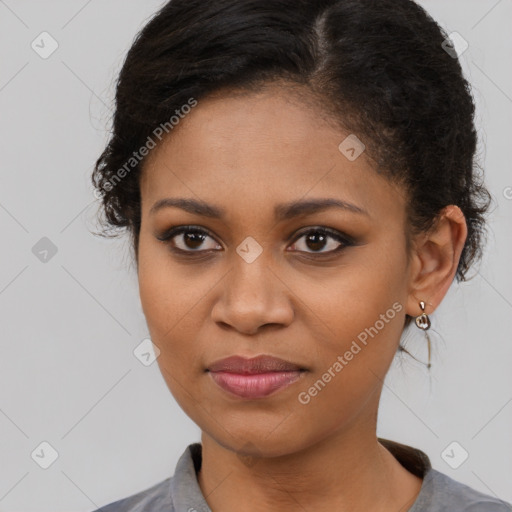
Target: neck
[350,470]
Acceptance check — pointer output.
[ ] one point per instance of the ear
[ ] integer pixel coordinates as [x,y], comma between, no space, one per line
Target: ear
[434,261]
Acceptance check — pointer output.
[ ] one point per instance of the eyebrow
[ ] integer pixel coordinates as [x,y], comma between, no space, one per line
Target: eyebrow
[282,212]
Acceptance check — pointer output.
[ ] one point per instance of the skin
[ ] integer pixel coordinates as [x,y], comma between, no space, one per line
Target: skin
[246,154]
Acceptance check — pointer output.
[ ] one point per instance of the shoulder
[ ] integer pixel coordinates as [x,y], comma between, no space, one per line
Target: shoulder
[178,492]
[440,493]
[157,498]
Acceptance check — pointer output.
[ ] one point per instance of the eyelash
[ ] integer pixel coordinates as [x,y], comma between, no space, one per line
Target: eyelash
[170,234]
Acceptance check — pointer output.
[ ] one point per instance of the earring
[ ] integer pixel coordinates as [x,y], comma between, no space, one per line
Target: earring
[423,322]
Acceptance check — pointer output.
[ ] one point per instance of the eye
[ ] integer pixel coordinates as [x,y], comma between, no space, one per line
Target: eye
[189,239]
[318,239]
[192,239]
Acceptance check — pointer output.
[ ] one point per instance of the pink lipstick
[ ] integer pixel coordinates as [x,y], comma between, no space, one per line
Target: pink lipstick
[254,378]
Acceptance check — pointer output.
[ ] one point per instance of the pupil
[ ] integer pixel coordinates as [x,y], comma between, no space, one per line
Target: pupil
[194,238]
[314,239]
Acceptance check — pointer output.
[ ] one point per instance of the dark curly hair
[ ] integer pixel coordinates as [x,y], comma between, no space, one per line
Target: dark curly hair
[377,68]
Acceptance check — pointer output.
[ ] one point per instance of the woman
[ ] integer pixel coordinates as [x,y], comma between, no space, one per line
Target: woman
[298,181]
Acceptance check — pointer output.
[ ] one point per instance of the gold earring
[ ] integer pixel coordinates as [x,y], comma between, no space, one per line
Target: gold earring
[423,322]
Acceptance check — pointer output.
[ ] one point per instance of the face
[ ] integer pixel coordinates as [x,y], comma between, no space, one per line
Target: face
[324,288]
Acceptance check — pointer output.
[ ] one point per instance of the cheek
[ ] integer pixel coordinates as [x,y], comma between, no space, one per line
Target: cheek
[163,296]
[369,288]
[165,289]
[175,300]
[359,312]
[171,309]
[352,360]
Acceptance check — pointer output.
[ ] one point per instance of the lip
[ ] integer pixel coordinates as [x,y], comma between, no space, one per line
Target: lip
[253,378]
[255,365]
[252,386]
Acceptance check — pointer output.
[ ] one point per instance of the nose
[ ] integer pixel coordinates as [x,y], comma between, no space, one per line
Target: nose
[253,296]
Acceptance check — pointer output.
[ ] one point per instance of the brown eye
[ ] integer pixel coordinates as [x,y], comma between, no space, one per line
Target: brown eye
[316,240]
[190,239]
[193,240]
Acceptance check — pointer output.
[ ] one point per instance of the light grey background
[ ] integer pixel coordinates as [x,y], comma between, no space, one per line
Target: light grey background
[68,375]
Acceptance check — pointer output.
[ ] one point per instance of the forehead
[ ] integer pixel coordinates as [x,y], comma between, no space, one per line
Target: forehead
[264,148]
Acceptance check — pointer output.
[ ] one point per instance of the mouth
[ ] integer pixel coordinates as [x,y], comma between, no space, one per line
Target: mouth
[254,378]
[254,365]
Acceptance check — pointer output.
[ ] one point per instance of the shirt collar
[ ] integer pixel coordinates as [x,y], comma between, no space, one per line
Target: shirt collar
[412,459]
[186,493]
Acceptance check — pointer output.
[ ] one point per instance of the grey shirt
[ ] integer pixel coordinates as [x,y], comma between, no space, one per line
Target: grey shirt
[439,492]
